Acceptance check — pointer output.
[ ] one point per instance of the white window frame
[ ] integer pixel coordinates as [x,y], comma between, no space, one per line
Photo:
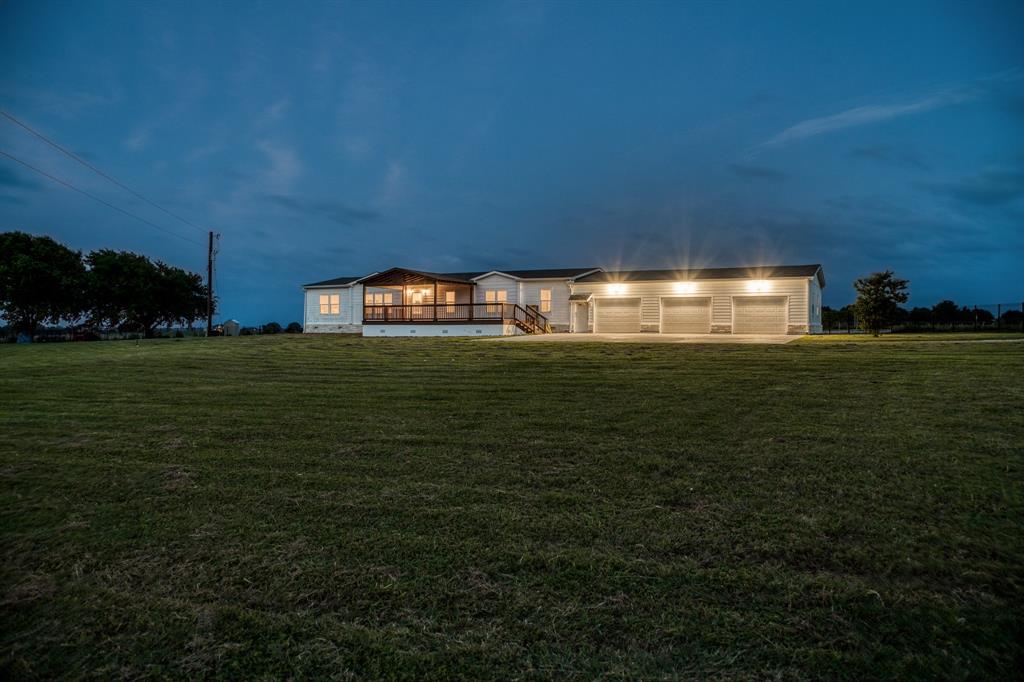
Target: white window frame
[494,296]
[330,304]
[379,298]
[545,303]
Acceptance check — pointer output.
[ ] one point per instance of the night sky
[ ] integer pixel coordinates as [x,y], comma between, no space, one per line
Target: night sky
[327,140]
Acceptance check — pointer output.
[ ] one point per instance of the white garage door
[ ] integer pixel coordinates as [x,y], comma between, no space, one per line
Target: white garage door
[759,315]
[617,316]
[685,315]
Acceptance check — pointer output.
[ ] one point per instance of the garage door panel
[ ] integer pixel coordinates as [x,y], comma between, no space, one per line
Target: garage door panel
[685,315]
[759,315]
[617,316]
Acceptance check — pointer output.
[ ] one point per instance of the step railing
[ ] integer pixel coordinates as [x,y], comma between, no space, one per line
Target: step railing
[527,318]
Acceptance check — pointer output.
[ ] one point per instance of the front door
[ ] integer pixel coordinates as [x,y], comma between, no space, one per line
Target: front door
[581,321]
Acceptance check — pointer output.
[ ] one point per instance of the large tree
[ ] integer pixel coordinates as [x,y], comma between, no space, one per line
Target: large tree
[41,281]
[132,293]
[878,297]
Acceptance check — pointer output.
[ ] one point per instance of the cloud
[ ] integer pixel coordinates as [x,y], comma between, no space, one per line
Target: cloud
[285,167]
[872,113]
[337,212]
[757,172]
[993,187]
[138,140]
[9,179]
[889,154]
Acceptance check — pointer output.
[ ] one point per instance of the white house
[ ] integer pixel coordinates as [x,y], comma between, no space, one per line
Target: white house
[783,299]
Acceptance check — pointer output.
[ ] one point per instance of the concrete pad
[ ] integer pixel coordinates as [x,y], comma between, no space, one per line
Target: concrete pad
[776,339]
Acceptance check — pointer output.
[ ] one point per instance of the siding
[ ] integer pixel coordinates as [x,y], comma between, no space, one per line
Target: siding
[529,294]
[495,282]
[721,292]
[351,309]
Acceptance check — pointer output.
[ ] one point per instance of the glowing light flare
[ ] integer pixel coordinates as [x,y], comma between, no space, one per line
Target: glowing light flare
[617,289]
[685,287]
[759,285]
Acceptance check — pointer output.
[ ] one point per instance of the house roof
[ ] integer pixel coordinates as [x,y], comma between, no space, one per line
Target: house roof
[336,282]
[545,273]
[407,276]
[420,276]
[753,272]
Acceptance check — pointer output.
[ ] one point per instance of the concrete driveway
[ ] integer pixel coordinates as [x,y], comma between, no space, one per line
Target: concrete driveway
[777,339]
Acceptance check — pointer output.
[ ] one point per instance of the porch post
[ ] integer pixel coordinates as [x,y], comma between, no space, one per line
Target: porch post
[435,300]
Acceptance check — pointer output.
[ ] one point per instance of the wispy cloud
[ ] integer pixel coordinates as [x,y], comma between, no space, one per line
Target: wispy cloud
[334,211]
[284,167]
[992,187]
[872,113]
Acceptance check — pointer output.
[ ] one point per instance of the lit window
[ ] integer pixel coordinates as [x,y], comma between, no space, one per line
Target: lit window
[545,300]
[378,299]
[449,298]
[330,304]
[495,296]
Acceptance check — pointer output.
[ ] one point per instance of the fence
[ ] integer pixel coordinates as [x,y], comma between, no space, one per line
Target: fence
[944,317]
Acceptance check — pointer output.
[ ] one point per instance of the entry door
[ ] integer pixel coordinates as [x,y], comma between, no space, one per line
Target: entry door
[759,315]
[581,315]
[681,315]
[617,316]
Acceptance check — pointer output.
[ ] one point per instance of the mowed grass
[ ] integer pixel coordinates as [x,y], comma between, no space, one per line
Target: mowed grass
[323,506]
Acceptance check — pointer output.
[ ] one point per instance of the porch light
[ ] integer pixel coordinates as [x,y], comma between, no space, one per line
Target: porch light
[685,287]
[617,289]
[757,285]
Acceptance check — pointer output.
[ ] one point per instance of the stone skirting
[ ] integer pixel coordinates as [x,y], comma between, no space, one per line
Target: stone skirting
[796,329]
[721,329]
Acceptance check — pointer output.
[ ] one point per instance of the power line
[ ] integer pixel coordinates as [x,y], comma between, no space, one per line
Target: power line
[96,170]
[96,198]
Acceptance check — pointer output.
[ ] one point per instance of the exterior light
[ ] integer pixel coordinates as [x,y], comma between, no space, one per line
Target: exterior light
[685,287]
[617,289]
[758,285]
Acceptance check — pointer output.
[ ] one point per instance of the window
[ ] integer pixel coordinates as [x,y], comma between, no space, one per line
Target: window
[330,304]
[378,299]
[545,300]
[449,299]
[495,296]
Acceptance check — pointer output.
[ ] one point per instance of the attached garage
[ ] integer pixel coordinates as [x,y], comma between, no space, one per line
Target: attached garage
[759,314]
[617,315]
[686,315]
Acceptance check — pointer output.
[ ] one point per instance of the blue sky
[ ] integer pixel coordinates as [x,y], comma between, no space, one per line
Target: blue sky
[332,139]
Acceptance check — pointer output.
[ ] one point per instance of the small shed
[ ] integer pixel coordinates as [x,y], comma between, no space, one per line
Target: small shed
[232,328]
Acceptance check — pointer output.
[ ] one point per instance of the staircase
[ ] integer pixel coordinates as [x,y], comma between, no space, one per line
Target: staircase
[528,319]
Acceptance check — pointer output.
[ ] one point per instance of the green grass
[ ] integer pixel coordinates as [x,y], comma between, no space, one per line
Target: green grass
[413,508]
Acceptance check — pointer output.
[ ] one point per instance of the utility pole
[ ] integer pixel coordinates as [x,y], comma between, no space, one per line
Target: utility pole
[209,285]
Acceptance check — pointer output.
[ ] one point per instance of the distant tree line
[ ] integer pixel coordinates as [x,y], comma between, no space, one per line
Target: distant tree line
[44,282]
[877,307]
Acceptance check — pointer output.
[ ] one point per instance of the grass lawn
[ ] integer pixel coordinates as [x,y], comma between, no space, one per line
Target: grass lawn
[334,506]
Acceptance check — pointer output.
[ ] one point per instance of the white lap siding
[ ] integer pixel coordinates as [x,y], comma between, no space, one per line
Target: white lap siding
[529,294]
[495,283]
[349,318]
[721,292]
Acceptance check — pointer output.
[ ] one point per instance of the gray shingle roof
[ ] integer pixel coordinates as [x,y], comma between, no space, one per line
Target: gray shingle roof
[336,282]
[753,272]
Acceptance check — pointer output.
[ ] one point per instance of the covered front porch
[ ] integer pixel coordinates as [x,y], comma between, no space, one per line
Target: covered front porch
[399,297]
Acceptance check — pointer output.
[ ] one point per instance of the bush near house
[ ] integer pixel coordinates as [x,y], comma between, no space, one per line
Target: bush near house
[314,506]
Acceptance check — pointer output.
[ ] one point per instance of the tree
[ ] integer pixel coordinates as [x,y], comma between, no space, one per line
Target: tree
[878,296]
[945,312]
[921,316]
[272,328]
[41,281]
[132,293]
[293,328]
